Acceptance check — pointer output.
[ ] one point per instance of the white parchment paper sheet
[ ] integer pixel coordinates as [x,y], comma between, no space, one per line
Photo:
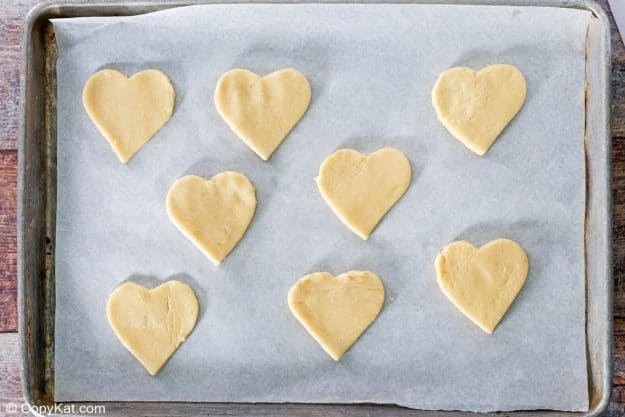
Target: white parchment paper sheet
[371,68]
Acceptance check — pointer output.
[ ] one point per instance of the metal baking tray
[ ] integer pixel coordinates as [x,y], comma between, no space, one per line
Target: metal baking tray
[37,213]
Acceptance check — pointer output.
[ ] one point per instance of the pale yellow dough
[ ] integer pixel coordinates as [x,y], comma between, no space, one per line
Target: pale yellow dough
[482,282]
[262,111]
[476,106]
[152,323]
[128,111]
[214,214]
[360,188]
[337,310]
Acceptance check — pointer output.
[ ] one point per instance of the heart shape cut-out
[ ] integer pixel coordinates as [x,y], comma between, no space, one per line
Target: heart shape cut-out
[337,310]
[262,110]
[482,282]
[128,111]
[152,323]
[214,214]
[475,107]
[360,188]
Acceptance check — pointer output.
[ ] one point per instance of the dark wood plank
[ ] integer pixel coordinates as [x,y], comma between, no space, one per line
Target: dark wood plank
[12,14]
[619,350]
[8,243]
[618,225]
[618,76]
[616,408]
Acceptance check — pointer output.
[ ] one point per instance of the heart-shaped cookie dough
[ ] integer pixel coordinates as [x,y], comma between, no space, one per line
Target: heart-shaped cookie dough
[128,111]
[482,282]
[152,323]
[214,214]
[262,111]
[475,107]
[360,189]
[337,310]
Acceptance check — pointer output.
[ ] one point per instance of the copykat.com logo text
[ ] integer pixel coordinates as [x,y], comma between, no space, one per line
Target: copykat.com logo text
[57,408]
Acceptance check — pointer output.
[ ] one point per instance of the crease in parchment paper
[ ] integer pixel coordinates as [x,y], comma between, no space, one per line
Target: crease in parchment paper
[371,68]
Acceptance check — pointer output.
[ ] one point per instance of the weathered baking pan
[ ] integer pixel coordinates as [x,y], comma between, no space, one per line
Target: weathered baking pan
[37,201]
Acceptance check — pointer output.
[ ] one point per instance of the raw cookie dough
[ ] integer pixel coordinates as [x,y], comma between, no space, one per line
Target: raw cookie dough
[262,111]
[128,111]
[360,189]
[476,107]
[152,323]
[482,282]
[214,214]
[337,310]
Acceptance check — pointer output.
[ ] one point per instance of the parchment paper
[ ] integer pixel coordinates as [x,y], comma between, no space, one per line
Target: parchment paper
[371,68]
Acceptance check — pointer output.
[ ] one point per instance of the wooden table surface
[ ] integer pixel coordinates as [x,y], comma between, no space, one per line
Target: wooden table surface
[12,13]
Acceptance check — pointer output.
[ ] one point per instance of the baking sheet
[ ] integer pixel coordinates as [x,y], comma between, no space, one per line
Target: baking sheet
[371,68]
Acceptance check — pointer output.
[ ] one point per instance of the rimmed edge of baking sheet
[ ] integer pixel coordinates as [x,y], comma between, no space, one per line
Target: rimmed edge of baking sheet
[37,200]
